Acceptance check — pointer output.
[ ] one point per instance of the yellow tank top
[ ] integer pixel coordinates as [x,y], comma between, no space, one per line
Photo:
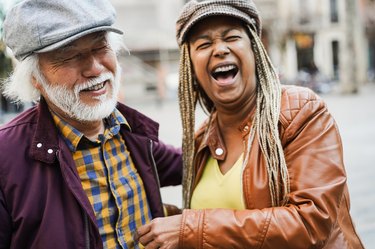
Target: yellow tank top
[216,190]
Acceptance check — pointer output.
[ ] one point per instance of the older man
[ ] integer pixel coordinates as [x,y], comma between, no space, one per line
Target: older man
[78,170]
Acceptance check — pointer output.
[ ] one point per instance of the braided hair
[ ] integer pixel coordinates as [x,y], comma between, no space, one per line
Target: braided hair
[265,124]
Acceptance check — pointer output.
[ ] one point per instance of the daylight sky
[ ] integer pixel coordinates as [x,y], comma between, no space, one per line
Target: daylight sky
[5,5]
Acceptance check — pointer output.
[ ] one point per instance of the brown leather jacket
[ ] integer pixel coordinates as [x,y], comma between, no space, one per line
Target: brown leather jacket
[317,214]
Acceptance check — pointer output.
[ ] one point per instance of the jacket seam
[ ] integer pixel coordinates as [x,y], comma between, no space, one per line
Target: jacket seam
[203,237]
[344,198]
[154,168]
[87,232]
[182,231]
[262,234]
[288,133]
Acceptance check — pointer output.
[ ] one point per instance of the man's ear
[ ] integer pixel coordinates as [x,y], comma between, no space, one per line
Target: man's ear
[36,83]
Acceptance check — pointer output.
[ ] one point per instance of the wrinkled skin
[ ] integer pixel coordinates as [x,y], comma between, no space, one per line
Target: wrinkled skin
[160,233]
[72,67]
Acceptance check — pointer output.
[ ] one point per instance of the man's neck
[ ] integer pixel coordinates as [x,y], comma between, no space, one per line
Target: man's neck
[90,129]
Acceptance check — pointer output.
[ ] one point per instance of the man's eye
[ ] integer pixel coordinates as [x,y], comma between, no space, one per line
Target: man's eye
[70,58]
[73,57]
[101,46]
[98,49]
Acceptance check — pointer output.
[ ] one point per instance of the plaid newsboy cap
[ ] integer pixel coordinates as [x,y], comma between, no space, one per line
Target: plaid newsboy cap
[37,26]
[195,10]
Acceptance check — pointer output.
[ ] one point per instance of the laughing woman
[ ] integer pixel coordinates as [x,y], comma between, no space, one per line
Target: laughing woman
[266,169]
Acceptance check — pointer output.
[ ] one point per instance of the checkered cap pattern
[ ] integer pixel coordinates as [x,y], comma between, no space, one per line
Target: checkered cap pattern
[196,10]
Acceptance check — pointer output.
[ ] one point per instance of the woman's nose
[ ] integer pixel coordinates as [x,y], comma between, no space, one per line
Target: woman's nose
[221,49]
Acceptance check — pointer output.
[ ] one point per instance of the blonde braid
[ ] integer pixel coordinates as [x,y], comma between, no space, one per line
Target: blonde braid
[266,122]
[187,100]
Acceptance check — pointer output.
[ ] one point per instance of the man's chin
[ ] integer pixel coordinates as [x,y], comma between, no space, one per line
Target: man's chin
[94,112]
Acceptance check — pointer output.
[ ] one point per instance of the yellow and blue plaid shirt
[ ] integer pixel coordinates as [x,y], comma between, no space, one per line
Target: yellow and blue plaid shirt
[110,180]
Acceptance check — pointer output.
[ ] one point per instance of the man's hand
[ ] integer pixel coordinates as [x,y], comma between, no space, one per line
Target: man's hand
[160,233]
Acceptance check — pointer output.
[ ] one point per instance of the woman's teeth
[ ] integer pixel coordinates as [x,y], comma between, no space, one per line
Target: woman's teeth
[224,68]
[225,72]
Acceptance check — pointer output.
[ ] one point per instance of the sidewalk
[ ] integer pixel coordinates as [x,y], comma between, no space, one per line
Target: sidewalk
[355,116]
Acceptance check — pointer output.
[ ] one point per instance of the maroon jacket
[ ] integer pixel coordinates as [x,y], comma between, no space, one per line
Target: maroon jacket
[42,203]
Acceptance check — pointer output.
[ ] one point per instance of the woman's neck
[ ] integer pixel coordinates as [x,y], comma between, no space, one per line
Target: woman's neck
[233,118]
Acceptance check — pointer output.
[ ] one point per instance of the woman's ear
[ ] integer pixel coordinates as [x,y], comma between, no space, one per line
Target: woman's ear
[195,81]
[194,76]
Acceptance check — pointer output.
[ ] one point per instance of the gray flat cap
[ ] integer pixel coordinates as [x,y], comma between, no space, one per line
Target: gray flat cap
[37,26]
[196,10]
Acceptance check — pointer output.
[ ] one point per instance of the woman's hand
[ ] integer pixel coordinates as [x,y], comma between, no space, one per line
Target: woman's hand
[160,233]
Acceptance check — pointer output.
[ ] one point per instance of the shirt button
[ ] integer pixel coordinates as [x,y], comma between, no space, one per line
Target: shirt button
[50,151]
[219,151]
[39,145]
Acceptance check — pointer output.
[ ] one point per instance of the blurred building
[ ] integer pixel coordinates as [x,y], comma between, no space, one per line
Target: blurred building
[336,37]
[368,13]
[328,35]
[324,35]
[149,33]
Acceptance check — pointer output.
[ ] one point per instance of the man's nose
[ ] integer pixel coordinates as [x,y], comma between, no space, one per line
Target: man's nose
[92,66]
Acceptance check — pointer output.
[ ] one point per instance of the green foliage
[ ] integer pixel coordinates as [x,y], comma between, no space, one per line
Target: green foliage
[5,65]
[2,16]
[5,62]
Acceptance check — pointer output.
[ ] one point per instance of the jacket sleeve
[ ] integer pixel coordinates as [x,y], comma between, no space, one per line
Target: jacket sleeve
[313,152]
[5,224]
[168,160]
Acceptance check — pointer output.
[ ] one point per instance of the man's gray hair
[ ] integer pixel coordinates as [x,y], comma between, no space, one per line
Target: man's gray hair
[19,88]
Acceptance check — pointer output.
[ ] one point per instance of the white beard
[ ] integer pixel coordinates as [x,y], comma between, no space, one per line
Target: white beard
[69,102]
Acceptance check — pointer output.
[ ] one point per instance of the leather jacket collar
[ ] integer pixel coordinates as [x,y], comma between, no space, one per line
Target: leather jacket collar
[212,137]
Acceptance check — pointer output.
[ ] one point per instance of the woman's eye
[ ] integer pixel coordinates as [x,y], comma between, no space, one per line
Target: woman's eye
[203,45]
[233,38]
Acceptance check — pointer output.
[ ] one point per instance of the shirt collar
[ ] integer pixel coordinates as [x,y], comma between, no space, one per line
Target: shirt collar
[73,137]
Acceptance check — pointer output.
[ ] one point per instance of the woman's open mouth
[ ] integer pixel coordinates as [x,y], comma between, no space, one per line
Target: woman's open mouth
[225,74]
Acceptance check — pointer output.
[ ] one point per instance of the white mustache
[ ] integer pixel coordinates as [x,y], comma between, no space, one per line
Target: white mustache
[95,81]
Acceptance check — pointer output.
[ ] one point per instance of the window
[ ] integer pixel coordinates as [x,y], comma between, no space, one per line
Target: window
[304,12]
[335,59]
[334,11]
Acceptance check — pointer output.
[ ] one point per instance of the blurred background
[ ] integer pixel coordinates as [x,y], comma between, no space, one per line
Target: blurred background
[326,45]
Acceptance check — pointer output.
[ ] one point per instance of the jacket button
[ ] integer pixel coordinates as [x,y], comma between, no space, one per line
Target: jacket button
[50,151]
[219,151]
[39,145]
